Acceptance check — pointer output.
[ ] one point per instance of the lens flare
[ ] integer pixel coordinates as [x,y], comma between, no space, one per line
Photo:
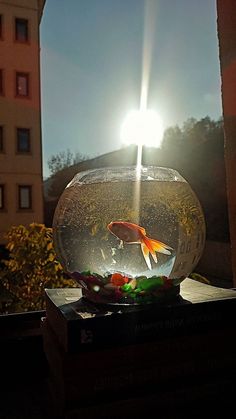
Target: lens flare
[142,128]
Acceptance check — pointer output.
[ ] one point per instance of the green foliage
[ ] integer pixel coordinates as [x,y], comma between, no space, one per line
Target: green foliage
[196,151]
[63,159]
[194,133]
[32,266]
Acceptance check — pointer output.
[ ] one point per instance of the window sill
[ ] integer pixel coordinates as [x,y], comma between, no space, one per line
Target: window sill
[20,325]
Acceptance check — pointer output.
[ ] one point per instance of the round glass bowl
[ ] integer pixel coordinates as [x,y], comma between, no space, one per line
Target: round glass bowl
[129,235]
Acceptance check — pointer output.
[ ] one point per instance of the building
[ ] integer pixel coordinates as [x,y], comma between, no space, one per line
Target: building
[21,184]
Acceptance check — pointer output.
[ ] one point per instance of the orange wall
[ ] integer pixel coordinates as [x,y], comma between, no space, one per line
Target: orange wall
[17,112]
[226,11]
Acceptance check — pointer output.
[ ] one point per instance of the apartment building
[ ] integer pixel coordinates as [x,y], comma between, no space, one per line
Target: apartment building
[21,183]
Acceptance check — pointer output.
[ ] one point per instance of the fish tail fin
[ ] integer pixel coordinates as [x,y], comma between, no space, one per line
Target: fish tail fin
[145,251]
[151,246]
[160,247]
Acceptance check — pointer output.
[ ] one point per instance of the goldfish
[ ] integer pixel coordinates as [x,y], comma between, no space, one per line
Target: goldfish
[132,233]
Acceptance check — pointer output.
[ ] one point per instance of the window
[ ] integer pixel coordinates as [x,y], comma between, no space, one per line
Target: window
[1,140]
[25,197]
[22,84]
[23,140]
[1,197]
[21,30]
[1,82]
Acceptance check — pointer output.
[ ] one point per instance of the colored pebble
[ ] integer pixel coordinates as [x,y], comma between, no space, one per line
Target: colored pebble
[126,288]
[120,288]
[149,284]
[133,283]
[119,279]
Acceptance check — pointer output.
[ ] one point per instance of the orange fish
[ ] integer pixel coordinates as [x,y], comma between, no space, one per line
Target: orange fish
[133,233]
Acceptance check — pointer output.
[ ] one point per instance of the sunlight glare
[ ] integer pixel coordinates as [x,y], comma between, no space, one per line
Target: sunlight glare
[143,127]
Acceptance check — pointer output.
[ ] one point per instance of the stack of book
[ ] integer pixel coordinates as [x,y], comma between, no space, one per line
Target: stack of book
[121,359]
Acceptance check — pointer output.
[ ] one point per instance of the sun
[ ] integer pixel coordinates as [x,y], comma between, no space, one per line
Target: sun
[142,127]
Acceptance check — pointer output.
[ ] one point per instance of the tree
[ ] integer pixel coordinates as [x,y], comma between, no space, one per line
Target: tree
[196,151]
[32,266]
[197,132]
[173,137]
[64,159]
[194,133]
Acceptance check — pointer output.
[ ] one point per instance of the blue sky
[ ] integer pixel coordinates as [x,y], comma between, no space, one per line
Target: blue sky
[91,69]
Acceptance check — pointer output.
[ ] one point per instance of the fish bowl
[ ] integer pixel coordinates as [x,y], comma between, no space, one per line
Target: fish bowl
[129,235]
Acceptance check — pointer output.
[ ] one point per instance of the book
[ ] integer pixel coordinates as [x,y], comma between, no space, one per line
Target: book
[209,398]
[81,325]
[133,371]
